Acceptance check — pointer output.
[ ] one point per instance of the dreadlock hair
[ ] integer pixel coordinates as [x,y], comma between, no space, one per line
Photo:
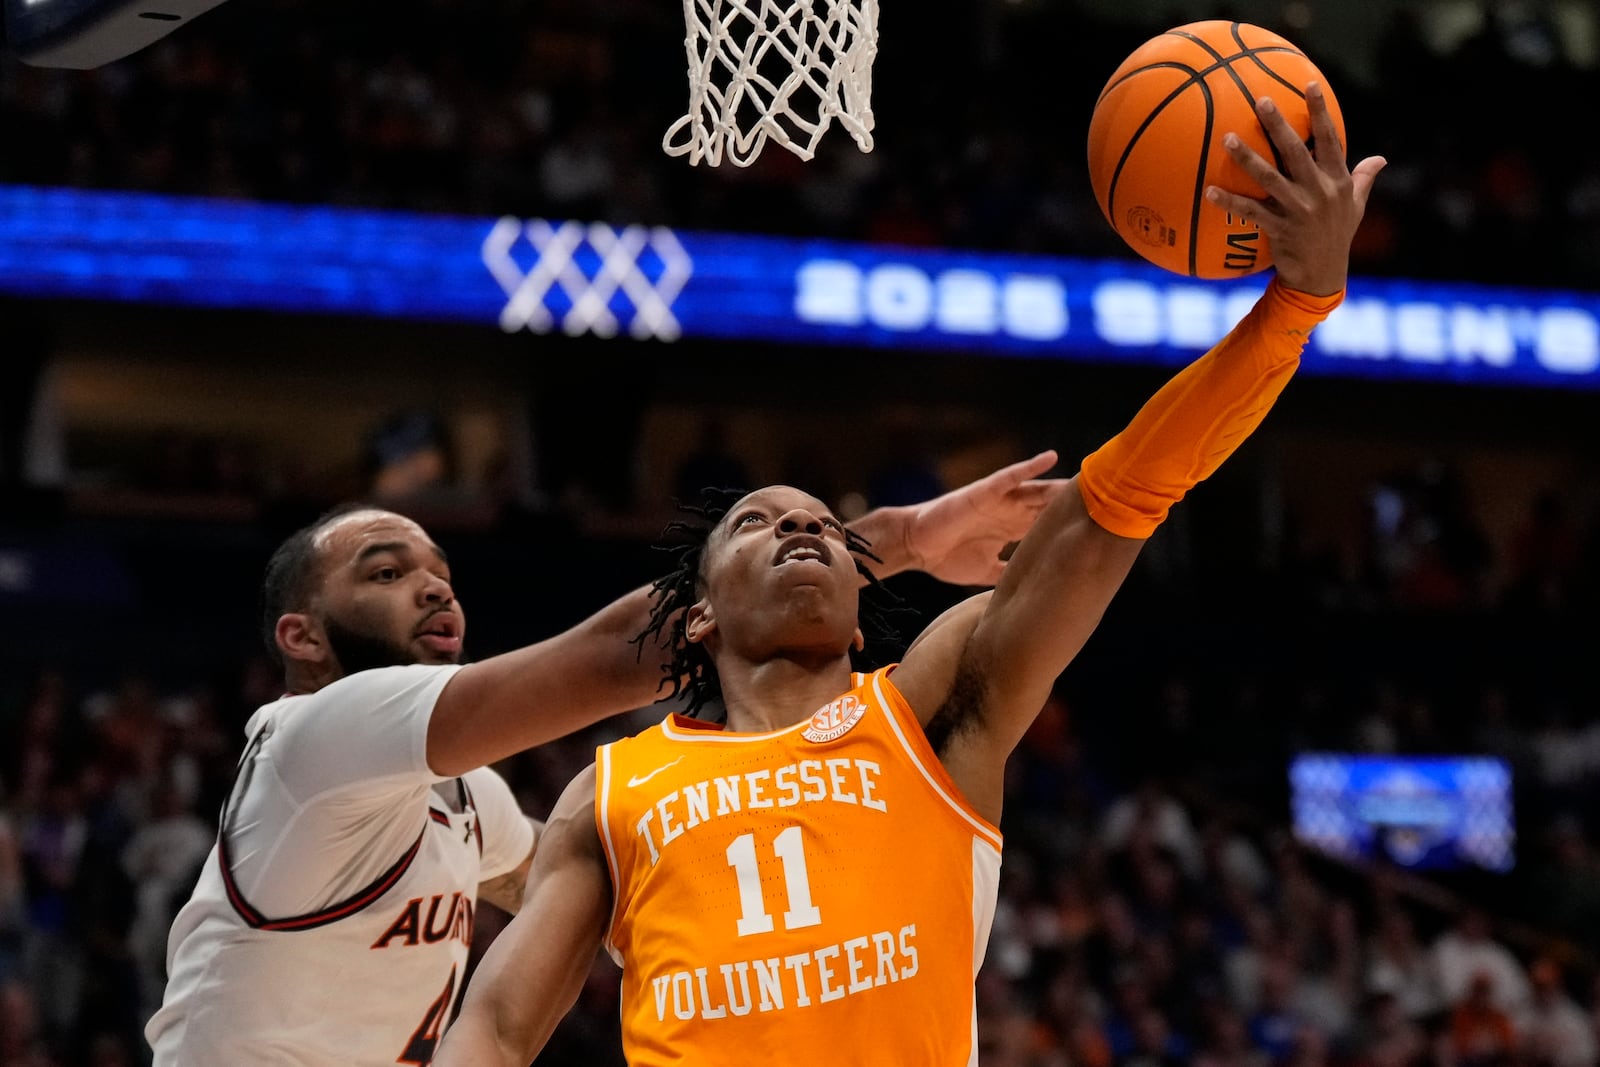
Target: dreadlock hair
[691,671]
[291,574]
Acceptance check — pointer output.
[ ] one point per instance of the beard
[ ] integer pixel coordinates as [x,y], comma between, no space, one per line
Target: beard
[363,652]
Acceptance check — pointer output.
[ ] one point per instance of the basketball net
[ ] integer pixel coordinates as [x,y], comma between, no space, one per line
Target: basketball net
[779,69]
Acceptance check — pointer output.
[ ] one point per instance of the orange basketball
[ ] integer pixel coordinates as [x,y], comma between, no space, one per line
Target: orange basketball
[1155,141]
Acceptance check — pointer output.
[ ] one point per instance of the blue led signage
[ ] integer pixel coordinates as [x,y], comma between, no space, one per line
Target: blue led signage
[654,283]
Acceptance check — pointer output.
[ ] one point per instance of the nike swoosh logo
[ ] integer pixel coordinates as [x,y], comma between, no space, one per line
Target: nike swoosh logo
[638,780]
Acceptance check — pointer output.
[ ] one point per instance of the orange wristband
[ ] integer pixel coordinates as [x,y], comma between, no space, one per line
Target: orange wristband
[1197,419]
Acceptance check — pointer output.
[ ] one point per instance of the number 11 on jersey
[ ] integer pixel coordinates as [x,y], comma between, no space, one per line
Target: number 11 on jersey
[789,846]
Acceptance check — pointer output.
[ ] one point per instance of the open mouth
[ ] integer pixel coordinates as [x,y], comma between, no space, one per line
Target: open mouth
[441,631]
[803,548]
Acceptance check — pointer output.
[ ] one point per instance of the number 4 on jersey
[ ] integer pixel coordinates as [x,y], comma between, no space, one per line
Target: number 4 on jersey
[789,846]
[425,1042]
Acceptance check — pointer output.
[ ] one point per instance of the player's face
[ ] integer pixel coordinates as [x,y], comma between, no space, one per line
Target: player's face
[385,597]
[779,574]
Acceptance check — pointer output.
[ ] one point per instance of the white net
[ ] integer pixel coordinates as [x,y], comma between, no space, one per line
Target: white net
[762,69]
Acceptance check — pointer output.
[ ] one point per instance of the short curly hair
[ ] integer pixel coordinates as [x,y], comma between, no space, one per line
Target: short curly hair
[291,574]
[690,671]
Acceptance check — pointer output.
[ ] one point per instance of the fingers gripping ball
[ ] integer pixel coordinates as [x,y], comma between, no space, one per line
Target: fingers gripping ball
[1155,141]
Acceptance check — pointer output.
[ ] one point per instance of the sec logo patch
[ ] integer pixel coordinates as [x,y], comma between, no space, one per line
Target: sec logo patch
[834,720]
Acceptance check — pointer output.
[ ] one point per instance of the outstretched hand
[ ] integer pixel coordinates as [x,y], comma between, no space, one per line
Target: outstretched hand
[961,537]
[1310,214]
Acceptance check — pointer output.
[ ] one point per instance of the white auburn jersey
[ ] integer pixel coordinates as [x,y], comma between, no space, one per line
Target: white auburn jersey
[332,921]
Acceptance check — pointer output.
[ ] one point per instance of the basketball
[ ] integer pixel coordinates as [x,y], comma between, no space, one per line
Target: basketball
[1155,141]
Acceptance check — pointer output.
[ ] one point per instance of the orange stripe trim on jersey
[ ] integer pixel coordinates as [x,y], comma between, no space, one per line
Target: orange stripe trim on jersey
[310,920]
[477,819]
[914,742]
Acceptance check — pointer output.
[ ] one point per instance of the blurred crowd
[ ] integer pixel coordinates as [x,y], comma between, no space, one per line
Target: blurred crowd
[558,109]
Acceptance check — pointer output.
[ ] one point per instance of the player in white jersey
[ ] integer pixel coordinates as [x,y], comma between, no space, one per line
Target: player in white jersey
[331,924]
[324,909]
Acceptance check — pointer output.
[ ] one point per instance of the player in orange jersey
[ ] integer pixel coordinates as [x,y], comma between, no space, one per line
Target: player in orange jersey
[813,881]
[331,925]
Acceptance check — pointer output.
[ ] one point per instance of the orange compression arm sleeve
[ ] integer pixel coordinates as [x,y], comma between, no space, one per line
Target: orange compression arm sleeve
[1197,419]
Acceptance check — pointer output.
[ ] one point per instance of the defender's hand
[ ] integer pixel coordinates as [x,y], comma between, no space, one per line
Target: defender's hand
[1310,214]
[960,537]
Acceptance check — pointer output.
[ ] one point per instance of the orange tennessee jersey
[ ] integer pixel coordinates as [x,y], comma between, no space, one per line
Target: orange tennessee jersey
[822,894]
